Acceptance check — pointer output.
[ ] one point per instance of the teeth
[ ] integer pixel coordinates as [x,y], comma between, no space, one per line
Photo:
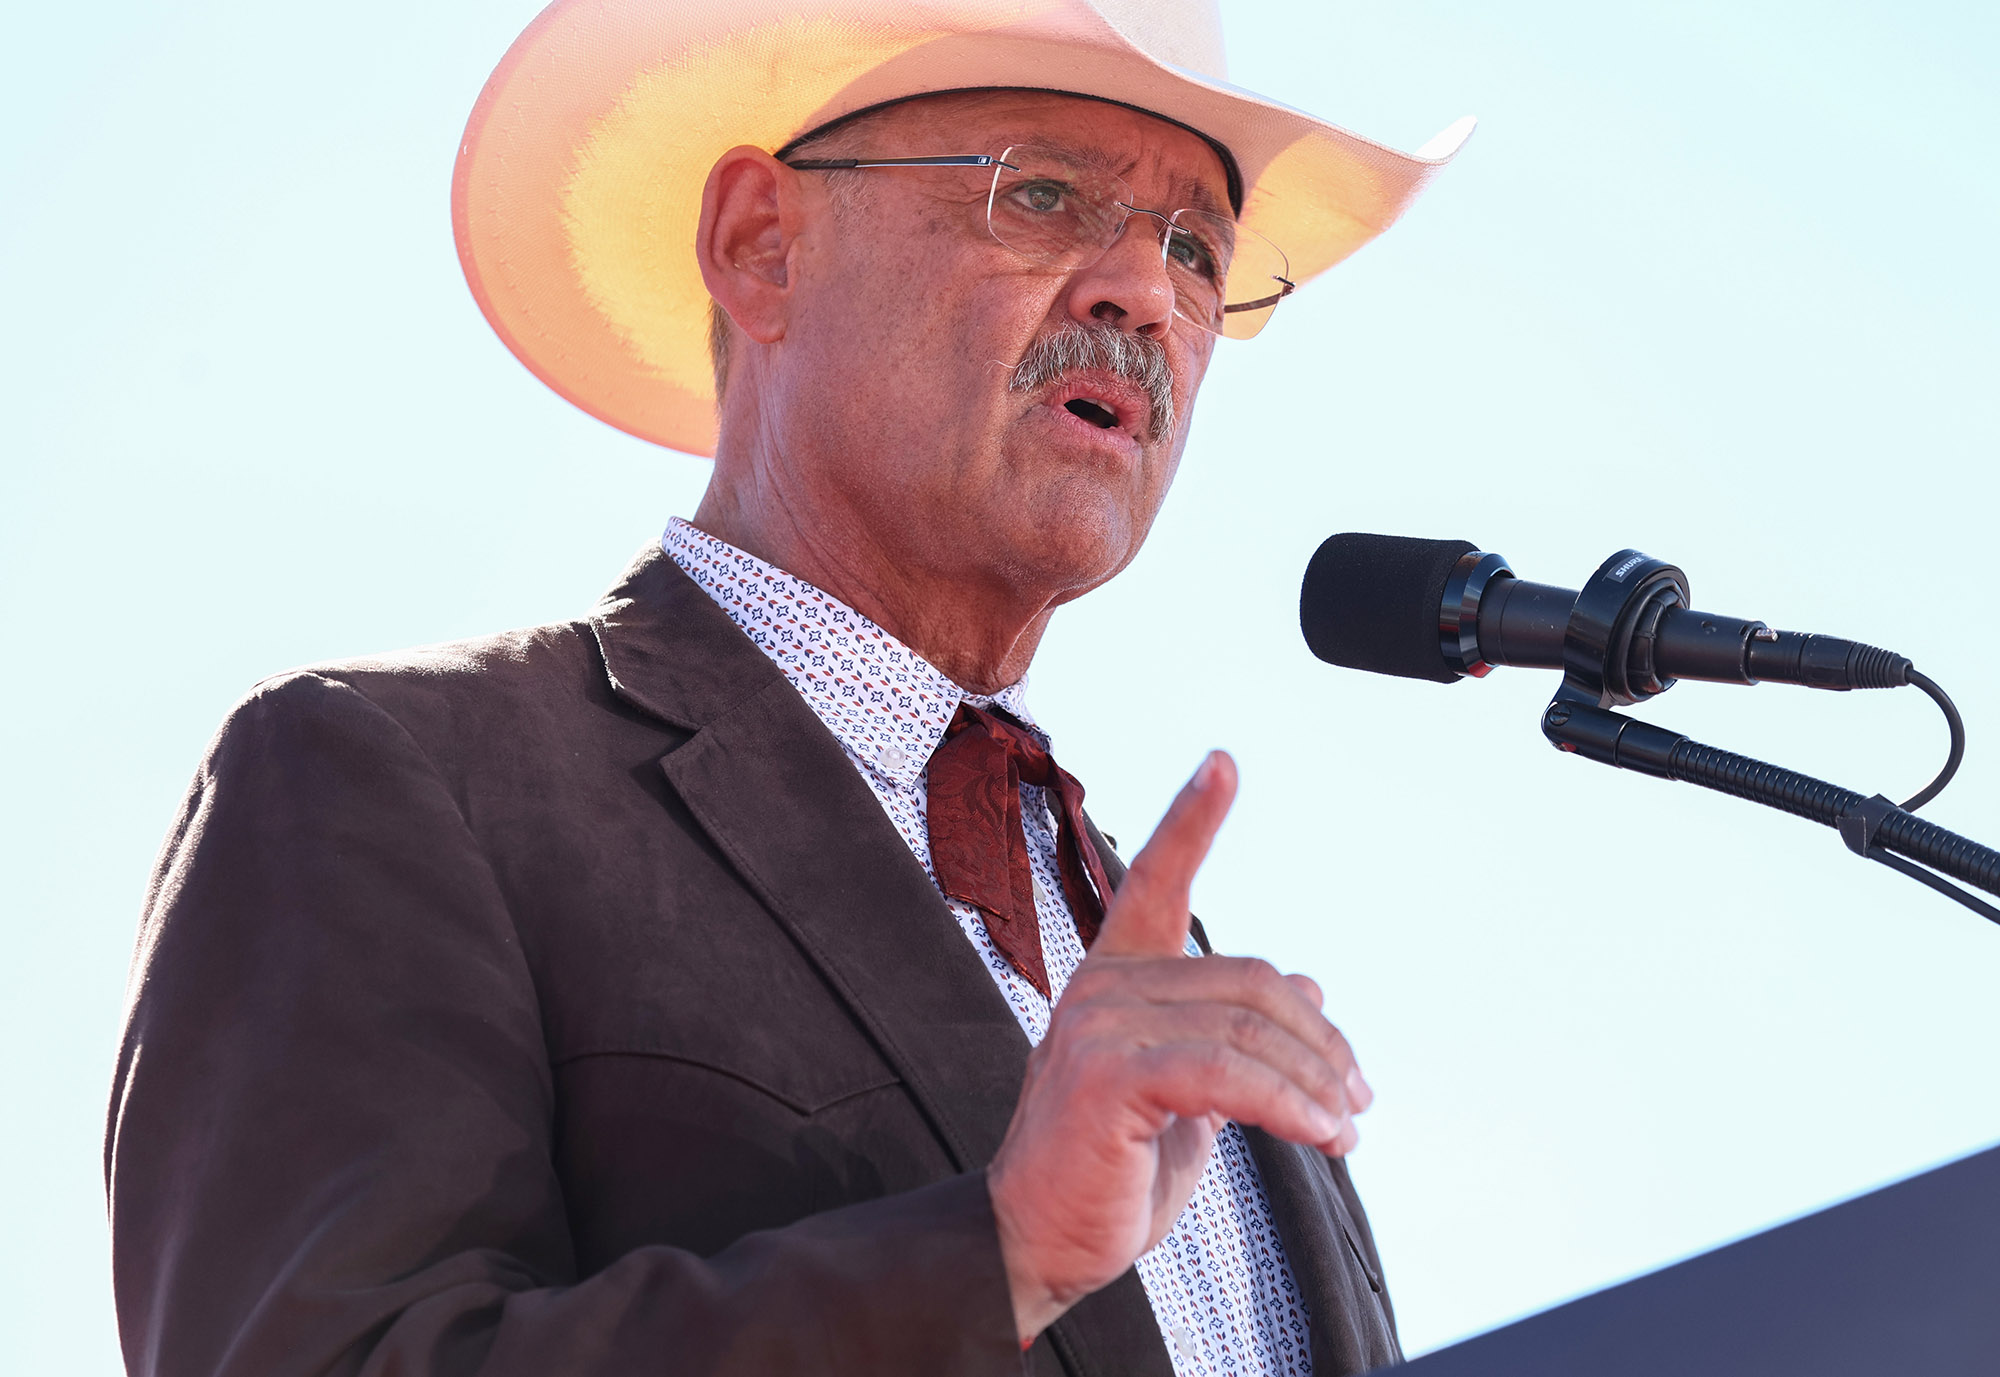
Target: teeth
[1096,413]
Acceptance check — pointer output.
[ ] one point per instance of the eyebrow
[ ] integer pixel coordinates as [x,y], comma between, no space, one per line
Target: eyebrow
[1198,197]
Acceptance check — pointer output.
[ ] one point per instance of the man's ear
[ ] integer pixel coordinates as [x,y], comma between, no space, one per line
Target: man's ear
[751,215]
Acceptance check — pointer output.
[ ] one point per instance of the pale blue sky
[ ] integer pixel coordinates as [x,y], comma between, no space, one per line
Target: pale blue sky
[1713,279]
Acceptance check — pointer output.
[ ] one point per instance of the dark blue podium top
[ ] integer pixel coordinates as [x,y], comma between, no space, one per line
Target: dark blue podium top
[1902,1282]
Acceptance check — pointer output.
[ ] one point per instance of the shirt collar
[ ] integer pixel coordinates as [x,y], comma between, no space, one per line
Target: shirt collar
[886,704]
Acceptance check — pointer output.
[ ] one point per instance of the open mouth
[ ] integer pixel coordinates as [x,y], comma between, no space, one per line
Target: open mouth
[1096,413]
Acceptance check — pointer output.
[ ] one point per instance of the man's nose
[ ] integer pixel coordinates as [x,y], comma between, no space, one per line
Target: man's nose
[1128,287]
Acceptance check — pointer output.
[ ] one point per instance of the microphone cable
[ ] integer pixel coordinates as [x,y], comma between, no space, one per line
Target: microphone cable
[1954,758]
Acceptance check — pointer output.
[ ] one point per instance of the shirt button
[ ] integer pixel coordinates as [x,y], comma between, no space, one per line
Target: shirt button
[1184,1343]
[892,757]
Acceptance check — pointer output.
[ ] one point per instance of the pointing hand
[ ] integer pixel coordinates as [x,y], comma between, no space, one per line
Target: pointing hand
[1148,1054]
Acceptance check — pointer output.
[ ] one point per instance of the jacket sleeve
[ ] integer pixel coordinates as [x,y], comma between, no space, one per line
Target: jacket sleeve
[329,1148]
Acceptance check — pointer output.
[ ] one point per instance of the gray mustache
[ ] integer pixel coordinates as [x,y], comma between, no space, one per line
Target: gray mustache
[1133,358]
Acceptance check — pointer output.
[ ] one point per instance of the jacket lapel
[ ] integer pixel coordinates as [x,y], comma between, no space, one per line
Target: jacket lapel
[778,796]
[775,792]
[1352,1327]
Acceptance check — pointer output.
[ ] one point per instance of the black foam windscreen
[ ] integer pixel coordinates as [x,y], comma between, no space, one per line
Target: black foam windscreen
[1371,602]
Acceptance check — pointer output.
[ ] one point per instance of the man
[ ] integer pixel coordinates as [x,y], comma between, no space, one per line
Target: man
[658,991]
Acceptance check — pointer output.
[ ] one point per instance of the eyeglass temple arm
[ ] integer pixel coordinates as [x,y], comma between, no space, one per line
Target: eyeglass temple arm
[1261,302]
[840,164]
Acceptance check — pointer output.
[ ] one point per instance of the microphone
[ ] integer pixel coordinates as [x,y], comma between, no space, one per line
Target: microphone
[1445,610]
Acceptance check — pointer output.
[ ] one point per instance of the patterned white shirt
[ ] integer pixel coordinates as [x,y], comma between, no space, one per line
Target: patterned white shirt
[1219,1284]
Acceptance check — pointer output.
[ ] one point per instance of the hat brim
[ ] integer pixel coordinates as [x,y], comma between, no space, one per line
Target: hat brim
[578,186]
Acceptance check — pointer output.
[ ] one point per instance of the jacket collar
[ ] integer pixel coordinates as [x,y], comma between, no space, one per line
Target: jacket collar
[669,650]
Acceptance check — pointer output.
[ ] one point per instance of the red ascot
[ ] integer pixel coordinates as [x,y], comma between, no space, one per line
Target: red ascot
[978,849]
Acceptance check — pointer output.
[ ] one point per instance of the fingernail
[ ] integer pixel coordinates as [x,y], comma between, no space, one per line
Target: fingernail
[1358,1089]
[1324,1124]
[1205,774]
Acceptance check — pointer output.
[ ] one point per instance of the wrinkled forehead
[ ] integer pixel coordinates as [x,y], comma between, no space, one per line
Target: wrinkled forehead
[1142,147]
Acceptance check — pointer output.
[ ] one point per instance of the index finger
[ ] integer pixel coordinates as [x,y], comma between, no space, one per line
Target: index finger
[1149,914]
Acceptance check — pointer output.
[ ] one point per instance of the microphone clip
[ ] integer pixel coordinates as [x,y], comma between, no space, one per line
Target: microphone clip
[1608,644]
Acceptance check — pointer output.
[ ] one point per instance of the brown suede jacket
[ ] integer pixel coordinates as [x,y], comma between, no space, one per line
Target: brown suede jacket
[563,1003]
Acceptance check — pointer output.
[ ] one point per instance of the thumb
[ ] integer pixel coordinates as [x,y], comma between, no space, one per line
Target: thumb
[1149,914]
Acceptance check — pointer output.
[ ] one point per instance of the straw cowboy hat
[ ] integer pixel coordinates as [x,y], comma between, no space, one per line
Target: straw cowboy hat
[579,183]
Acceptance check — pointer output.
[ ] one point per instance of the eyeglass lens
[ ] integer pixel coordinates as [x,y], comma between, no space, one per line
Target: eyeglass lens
[1054,209]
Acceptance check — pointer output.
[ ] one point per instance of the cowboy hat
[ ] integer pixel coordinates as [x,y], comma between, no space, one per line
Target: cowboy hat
[579,182]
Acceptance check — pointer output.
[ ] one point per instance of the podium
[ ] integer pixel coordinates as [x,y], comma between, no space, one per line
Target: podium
[1904,1280]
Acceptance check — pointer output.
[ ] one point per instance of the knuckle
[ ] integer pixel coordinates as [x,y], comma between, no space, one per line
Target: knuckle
[1328,1086]
[1337,1049]
[1260,980]
[1091,1024]
[1215,1059]
[1248,1029]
